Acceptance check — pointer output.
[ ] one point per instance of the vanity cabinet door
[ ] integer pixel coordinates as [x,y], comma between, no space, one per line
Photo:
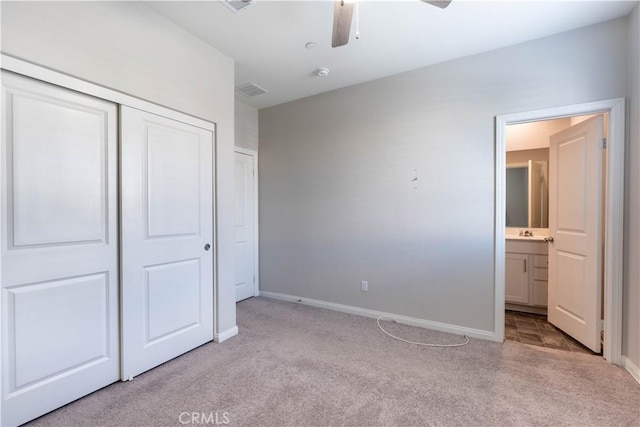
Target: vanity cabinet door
[517,278]
[540,293]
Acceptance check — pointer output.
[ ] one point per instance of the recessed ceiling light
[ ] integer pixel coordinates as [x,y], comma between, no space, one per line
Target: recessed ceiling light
[310,45]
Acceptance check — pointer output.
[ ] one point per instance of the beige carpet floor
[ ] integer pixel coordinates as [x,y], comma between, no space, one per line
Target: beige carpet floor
[294,365]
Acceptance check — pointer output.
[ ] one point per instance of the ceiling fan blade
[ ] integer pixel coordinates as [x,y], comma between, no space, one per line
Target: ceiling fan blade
[439,3]
[342,17]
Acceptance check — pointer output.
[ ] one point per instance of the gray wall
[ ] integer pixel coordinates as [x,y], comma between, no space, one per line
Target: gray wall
[127,47]
[246,126]
[631,312]
[337,201]
[526,155]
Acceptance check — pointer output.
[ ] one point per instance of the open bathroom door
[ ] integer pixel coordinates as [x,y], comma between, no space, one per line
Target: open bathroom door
[575,224]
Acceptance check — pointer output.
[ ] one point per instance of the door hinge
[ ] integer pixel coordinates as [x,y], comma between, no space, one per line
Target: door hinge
[604,142]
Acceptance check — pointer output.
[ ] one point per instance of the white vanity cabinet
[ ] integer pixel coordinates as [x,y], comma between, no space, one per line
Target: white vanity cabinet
[516,278]
[526,272]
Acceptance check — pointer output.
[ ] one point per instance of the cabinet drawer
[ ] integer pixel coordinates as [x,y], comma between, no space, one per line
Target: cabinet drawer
[540,293]
[527,246]
[541,261]
[540,274]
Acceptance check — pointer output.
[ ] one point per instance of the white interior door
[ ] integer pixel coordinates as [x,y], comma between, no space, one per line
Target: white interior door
[59,260]
[245,218]
[575,257]
[167,239]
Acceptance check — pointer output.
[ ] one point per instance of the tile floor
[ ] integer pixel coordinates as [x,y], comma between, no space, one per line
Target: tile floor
[534,329]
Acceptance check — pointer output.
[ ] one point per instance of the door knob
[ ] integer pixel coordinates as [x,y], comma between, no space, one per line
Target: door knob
[548,239]
[207,247]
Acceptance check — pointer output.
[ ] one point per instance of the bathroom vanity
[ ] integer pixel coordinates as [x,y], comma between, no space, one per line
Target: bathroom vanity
[526,273]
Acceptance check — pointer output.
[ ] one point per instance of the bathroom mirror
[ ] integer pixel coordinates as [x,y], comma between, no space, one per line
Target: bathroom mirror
[527,196]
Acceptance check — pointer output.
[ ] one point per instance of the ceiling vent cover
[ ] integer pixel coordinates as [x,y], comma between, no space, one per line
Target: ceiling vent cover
[237,5]
[250,89]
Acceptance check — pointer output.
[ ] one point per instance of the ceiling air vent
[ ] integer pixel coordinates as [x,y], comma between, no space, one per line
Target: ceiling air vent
[250,89]
[237,5]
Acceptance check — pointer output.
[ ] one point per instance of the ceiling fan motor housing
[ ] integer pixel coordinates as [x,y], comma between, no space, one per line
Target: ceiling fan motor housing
[322,72]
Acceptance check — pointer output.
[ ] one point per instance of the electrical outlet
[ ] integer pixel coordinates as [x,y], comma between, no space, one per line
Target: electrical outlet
[364,286]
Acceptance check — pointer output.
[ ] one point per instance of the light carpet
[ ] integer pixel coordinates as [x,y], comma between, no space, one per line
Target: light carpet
[294,365]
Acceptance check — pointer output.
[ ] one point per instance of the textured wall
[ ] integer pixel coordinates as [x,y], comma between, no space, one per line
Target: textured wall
[338,204]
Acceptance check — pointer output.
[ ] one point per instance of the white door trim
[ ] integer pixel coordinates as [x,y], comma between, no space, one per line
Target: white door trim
[256,238]
[614,213]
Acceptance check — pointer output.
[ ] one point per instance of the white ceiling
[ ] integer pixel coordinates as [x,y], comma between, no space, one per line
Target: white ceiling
[267,39]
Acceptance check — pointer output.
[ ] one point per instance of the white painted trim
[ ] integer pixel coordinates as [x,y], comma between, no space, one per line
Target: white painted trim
[256,221]
[614,237]
[614,211]
[3,125]
[412,321]
[225,335]
[500,224]
[246,151]
[632,368]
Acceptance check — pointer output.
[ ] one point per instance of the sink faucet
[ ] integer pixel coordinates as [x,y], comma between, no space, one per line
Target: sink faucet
[526,233]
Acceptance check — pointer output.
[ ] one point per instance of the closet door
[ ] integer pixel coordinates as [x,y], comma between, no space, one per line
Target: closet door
[167,239]
[59,250]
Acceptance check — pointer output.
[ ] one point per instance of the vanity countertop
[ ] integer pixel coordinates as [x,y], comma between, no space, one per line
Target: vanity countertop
[516,237]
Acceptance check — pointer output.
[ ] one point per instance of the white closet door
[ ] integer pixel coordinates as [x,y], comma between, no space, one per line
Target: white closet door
[244,226]
[59,247]
[167,239]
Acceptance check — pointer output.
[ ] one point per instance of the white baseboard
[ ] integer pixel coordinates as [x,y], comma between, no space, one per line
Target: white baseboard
[412,321]
[225,335]
[632,368]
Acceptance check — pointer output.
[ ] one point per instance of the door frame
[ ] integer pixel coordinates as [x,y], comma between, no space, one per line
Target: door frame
[256,217]
[614,213]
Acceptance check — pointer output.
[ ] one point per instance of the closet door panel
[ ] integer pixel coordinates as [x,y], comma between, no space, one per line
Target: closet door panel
[167,235]
[59,247]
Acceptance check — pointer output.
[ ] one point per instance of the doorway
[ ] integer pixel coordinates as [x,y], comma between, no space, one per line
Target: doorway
[246,223]
[612,205]
[573,146]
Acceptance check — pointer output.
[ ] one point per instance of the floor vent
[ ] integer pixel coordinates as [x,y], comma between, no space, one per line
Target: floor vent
[250,89]
[237,5]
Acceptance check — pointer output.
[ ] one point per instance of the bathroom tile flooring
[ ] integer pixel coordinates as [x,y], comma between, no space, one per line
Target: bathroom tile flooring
[534,329]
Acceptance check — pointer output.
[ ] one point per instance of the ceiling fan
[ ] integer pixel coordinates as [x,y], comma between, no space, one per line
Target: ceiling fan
[342,17]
